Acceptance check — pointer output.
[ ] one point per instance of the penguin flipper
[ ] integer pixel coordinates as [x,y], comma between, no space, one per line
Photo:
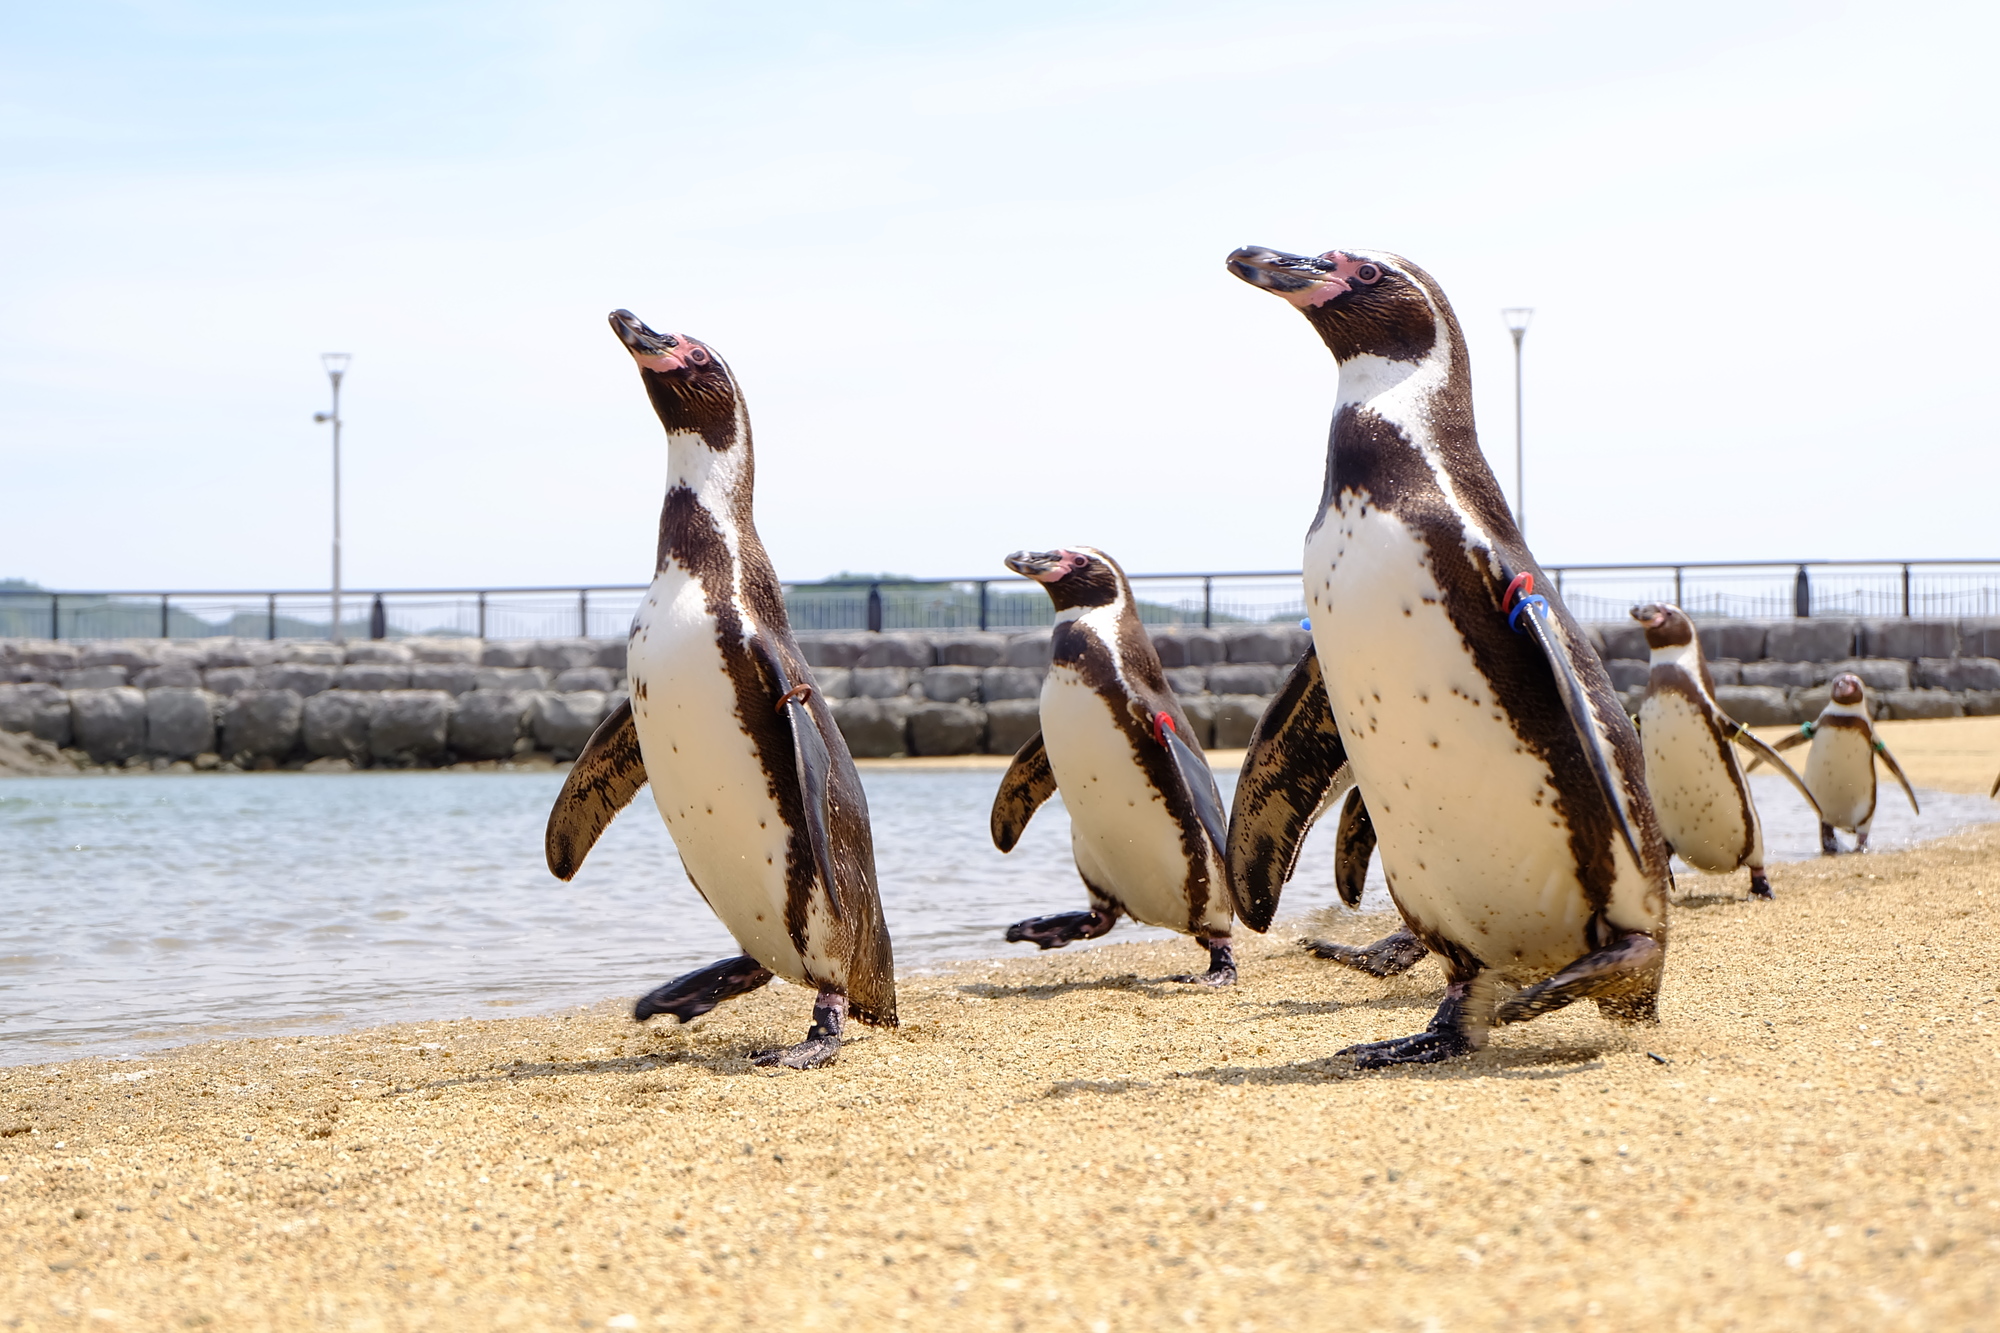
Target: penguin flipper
[1995,793]
[1293,771]
[1895,768]
[1533,614]
[813,763]
[1796,738]
[1028,782]
[602,781]
[1750,741]
[1352,847]
[1200,781]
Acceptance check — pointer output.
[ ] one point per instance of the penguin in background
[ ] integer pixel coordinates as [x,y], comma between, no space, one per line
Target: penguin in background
[1699,787]
[1840,768]
[748,770]
[1146,822]
[1503,780]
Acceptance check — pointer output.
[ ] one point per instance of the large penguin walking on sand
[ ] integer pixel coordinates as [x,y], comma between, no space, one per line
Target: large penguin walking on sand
[1698,786]
[1504,782]
[1840,767]
[748,769]
[1146,821]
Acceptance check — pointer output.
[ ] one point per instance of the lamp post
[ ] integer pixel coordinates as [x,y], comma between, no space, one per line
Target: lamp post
[1517,317]
[336,367]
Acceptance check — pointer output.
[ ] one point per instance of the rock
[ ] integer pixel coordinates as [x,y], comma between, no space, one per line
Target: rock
[833,650]
[951,685]
[133,656]
[879,682]
[174,675]
[1235,678]
[409,727]
[979,648]
[438,650]
[1624,640]
[94,678]
[329,765]
[1755,705]
[301,678]
[53,656]
[1725,670]
[1957,673]
[898,650]
[300,653]
[833,682]
[1739,640]
[584,678]
[509,678]
[452,677]
[1200,712]
[1876,673]
[375,676]
[261,727]
[1189,647]
[109,724]
[1979,638]
[335,723]
[225,653]
[1272,645]
[1184,681]
[1810,640]
[612,654]
[1029,649]
[1626,673]
[558,655]
[562,723]
[1005,682]
[505,653]
[1902,704]
[1909,639]
[873,728]
[1631,700]
[1781,675]
[36,709]
[1234,718]
[377,651]
[180,722]
[946,728]
[489,724]
[228,680]
[1981,703]
[1010,722]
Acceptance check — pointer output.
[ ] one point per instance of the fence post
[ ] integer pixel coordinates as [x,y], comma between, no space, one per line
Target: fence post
[1906,590]
[378,619]
[875,607]
[583,613]
[1802,595]
[55,615]
[1207,602]
[982,604]
[1677,587]
[271,617]
[482,615]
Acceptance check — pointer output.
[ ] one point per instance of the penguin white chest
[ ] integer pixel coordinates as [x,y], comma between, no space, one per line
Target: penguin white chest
[1125,837]
[1471,841]
[708,779]
[1703,808]
[1840,773]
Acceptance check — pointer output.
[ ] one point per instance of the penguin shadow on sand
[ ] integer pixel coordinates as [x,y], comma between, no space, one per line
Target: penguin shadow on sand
[1521,1064]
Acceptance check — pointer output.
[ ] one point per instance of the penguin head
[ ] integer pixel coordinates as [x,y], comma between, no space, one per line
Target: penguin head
[1077,576]
[1666,625]
[1362,302]
[1847,688]
[691,388]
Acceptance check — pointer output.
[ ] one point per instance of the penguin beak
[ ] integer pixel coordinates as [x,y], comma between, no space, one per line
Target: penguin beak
[1041,566]
[1289,276]
[1650,615]
[653,351]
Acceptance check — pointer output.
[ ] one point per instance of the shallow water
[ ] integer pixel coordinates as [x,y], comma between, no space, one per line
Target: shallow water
[141,912]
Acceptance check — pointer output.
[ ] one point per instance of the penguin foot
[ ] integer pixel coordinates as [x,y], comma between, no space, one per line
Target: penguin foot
[688,998]
[1389,956]
[822,1043]
[1426,1048]
[1760,887]
[1221,967]
[1053,932]
[1828,844]
[1625,972]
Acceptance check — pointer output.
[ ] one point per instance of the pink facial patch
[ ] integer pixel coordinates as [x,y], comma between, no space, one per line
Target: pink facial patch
[676,358]
[1070,561]
[1349,274]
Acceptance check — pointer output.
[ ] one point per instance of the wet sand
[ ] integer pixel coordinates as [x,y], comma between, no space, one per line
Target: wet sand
[1071,1141]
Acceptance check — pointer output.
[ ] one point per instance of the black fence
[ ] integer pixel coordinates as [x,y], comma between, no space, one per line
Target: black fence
[1932,589]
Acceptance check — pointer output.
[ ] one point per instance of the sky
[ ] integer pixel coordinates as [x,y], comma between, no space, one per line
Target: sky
[967,263]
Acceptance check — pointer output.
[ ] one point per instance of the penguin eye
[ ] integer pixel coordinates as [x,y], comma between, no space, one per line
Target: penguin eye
[1368,273]
[698,356]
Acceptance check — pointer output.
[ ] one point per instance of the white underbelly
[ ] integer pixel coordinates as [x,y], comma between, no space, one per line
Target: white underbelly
[1840,773]
[1125,839]
[707,779]
[1694,787]
[1471,842]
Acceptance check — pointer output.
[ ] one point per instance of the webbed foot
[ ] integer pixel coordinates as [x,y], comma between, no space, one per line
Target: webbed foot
[1760,887]
[689,997]
[822,1043]
[1828,844]
[1053,932]
[1221,966]
[1387,957]
[1623,977]
[1457,1028]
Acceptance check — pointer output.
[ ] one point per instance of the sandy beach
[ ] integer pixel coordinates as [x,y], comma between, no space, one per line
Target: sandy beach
[1069,1141]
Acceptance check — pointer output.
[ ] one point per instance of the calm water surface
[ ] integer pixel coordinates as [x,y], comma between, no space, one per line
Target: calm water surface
[141,912]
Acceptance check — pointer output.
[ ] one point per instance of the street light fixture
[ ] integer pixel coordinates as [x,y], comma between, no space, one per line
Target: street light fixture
[336,367]
[1517,317]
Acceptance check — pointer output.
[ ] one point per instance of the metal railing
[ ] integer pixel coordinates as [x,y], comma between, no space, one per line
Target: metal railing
[1710,590]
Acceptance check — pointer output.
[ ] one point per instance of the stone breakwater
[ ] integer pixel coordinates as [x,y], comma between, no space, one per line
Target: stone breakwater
[252,704]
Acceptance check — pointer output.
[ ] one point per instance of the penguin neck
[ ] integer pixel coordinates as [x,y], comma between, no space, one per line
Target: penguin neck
[1404,428]
[716,482]
[1859,710]
[1686,656]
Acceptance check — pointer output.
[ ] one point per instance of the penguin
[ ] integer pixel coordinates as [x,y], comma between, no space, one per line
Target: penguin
[1699,789]
[1146,822]
[1504,782]
[1840,768]
[748,769]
